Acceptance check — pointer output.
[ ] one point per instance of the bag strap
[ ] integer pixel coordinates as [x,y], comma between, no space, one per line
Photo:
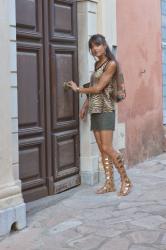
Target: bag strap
[106,64]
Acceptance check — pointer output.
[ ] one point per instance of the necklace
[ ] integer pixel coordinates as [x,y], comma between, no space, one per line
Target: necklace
[96,68]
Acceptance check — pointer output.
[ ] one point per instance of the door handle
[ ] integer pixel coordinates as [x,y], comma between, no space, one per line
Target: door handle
[65,86]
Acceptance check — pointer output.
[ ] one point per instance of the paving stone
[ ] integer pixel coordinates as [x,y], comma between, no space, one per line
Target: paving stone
[160,247]
[84,229]
[107,232]
[116,244]
[153,195]
[88,201]
[146,164]
[86,243]
[153,208]
[163,240]
[98,213]
[126,212]
[162,202]
[25,239]
[152,167]
[148,237]
[161,174]
[137,247]
[61,240]
[149,222]
[119,226]
[66,225]
[163,226]
[163,162]
[138,204]
[159,157]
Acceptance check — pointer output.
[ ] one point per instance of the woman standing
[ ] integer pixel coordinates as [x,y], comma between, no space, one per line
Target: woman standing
[100,104]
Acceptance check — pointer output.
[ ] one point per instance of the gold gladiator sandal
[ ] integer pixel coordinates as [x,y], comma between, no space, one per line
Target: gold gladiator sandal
[126,184]
[109,185]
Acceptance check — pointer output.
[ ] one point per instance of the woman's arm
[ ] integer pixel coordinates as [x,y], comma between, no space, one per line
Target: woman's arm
[86,103]
[84,109]
[103,81]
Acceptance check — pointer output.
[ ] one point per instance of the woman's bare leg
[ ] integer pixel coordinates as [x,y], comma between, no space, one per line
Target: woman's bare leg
[108,168]
[106,137]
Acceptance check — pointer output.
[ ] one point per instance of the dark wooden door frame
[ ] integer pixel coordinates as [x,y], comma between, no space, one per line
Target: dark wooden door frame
[47,99]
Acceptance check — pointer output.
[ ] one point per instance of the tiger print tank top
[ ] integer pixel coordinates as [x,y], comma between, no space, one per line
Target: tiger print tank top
[102,102]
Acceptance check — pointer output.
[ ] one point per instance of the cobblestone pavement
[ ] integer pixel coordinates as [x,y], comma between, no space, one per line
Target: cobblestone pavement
[84,220]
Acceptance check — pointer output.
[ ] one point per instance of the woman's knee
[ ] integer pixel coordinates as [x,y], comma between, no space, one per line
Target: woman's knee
[107,149]
[100,147]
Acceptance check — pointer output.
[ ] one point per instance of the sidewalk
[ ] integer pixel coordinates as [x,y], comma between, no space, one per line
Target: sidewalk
[80,219]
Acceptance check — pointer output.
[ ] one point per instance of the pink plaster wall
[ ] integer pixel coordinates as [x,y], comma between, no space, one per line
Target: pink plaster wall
[139,49]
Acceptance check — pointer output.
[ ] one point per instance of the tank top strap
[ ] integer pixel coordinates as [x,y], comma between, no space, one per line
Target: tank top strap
[105,65]
[101,66]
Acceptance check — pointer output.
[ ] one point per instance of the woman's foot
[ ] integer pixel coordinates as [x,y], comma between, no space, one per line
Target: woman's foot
[125,188]
[106,188]
[109,185]
[126,184]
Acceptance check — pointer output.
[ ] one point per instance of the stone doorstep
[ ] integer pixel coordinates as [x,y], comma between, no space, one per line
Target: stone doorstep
[48,201]
[13,216]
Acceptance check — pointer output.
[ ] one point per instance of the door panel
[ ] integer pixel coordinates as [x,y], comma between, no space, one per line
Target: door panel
[61,100]
[29,61]
[64,110]
[63,20]
[64,104]
[29,18]
[31,163]
[65,148]
[66,161]
[26,14]
[48,115]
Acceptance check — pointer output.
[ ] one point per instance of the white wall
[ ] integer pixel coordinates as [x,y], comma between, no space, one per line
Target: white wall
[87,26]
[106,20]
[13,87]
[12,207]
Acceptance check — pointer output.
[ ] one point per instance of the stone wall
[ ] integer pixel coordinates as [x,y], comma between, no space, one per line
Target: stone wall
[139,51]
[12,207]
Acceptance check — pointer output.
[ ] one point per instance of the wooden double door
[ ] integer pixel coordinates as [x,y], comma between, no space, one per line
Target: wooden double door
[47,114]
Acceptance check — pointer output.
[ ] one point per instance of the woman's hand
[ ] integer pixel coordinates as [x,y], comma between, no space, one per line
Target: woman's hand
[84,110]
[73,86]
[83,113]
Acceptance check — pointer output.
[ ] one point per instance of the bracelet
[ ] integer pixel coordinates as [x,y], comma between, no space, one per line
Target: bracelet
[77,89]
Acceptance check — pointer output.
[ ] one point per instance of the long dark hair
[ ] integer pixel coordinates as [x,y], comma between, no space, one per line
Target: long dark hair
[99,39]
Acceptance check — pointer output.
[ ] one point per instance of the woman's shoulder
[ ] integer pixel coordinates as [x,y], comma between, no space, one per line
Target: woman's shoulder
[111,65]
